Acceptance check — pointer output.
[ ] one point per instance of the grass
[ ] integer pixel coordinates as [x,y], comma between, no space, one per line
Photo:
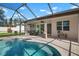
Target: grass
[4,34]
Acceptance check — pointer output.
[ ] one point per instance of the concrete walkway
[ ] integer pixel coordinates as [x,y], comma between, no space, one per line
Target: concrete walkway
[66,48]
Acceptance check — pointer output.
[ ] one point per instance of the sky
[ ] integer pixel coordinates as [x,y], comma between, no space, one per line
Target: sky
[40,9]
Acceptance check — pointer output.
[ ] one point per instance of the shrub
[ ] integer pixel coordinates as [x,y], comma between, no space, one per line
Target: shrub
[9,30]
[15,32]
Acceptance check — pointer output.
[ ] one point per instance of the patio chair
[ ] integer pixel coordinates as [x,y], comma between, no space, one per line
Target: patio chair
[62,35]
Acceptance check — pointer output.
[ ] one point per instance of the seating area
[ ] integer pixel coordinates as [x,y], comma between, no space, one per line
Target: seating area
[62,35]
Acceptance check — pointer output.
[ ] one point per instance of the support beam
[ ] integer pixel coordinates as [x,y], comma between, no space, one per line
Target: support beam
[78,32]
[45,30]
[22,15]
[20,24]
[20,6]
[13,14]
[14,10]
[26,29]
[10,23]
[50,8]
[30,10]
[74,4]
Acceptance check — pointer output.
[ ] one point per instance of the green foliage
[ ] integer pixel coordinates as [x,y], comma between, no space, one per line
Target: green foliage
[3,34]
[9,30]
[2,17]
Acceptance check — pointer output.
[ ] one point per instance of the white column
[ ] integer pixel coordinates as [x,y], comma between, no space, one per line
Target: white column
[39,28]
[45,30]
[26,28]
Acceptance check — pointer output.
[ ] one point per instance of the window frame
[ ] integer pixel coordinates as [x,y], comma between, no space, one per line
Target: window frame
[66,25]
[63,25]
[59,25]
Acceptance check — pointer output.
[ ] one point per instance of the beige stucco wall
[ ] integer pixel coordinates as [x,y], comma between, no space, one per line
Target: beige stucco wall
[72,33]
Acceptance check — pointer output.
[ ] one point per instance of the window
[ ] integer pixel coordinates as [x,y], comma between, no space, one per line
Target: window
[59,25]
[63,25]
[66,25]
[42,28]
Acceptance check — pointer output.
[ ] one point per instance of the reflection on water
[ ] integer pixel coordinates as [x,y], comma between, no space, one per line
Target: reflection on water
[18,47]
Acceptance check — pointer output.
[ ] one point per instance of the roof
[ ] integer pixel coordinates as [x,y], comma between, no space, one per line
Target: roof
[59,14]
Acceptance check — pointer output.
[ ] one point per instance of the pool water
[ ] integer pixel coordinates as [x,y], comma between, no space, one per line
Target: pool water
[18,47]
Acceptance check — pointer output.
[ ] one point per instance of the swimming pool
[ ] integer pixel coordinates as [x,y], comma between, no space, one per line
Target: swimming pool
[16,47]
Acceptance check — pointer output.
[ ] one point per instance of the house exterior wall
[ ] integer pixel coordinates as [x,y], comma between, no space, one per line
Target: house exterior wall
[73,32]
[73,19]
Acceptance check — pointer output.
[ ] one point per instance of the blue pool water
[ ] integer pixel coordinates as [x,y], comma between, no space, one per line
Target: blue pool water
[18,47]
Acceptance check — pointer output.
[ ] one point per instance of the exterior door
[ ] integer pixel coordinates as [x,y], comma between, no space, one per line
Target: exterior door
[49,29]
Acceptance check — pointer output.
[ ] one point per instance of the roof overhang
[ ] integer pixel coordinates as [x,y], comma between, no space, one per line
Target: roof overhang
[64,13]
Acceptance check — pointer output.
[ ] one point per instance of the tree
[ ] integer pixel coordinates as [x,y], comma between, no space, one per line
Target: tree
[2,17]
[15,21]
